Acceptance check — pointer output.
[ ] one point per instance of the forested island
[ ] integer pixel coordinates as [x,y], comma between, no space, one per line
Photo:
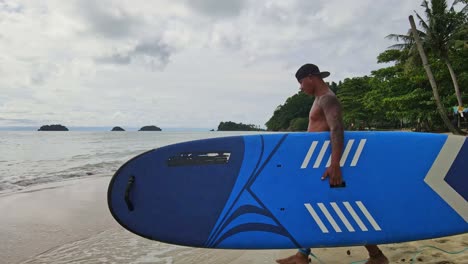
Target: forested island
[117,128]
[150,128]
[53,128]
[232,126]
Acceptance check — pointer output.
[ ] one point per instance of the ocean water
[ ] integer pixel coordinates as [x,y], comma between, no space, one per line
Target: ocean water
[31,158]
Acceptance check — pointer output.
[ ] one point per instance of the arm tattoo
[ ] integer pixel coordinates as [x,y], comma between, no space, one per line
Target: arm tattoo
[332,109]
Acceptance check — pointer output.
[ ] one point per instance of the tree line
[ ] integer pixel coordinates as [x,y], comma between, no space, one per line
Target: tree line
[232,126]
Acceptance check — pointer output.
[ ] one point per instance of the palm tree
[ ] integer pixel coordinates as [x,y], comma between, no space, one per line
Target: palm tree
[440,34]
[423,56]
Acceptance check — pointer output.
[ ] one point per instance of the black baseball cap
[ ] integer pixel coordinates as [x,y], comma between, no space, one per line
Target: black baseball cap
[310,69]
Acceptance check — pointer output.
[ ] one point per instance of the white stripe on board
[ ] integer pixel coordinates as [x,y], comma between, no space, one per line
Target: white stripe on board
[329,217]
[309,155]
[329,161]
[355,216]
[342,217]
[322,152]
[316,218]
[368,216]
[346,152]
[358,152]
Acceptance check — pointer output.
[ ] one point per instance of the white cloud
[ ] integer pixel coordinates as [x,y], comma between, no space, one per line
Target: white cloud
[217,8]
[184,63]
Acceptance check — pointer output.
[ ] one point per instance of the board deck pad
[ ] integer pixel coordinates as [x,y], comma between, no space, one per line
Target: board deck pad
[265,191]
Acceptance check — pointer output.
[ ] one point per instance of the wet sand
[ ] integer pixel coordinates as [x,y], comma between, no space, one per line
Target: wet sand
[69,223]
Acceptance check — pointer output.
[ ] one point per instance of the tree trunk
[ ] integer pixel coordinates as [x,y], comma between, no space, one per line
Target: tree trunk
[455,82]
[422,54]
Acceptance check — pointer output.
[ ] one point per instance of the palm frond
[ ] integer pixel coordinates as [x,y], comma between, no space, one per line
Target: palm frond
[422,23]
[438,7]
[425,4]
[427,9]
[398,46]
[398,37]
[465,9]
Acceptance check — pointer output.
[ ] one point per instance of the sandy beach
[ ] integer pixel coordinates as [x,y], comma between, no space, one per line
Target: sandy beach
[69,222]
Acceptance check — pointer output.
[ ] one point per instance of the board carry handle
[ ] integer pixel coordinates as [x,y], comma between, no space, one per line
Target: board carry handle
[130,182]
[342,185]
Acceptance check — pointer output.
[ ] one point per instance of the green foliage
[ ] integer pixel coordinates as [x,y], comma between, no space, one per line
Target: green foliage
[231,126]
[394,97]
[399,96]
[441,25]
[390,56]
[296,106]
[299,124]
[352,94]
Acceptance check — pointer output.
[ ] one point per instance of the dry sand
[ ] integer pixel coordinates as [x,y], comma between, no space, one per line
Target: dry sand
[69,223]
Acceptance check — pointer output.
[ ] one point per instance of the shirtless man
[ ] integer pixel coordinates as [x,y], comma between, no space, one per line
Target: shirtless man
[326,115]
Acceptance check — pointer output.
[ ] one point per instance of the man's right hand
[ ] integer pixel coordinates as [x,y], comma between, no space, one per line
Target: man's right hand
[334,173]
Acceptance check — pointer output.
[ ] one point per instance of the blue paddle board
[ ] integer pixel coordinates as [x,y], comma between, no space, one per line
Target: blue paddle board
[265,191]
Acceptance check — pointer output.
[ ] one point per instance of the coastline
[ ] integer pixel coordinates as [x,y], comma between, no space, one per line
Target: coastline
[50,215]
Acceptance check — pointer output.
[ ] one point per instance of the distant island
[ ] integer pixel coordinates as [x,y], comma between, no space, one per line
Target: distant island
[53,128]
[150,128]
[231,126]
[117,128]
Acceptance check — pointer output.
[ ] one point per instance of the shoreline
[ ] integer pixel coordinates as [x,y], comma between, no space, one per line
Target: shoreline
[70,222]
[49,215]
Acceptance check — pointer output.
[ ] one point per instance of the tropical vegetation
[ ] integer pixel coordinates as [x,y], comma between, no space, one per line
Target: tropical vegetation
[403,94]
[232,126]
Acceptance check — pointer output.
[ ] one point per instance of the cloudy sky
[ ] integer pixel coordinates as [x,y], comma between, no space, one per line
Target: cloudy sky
[179,63]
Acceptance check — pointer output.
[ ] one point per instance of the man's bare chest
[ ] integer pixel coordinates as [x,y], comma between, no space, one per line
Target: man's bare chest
[316,113]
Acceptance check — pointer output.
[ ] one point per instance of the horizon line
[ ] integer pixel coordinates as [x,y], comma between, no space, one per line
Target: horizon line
[104,128]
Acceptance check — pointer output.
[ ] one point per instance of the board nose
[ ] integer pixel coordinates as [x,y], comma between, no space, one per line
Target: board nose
[177,192]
